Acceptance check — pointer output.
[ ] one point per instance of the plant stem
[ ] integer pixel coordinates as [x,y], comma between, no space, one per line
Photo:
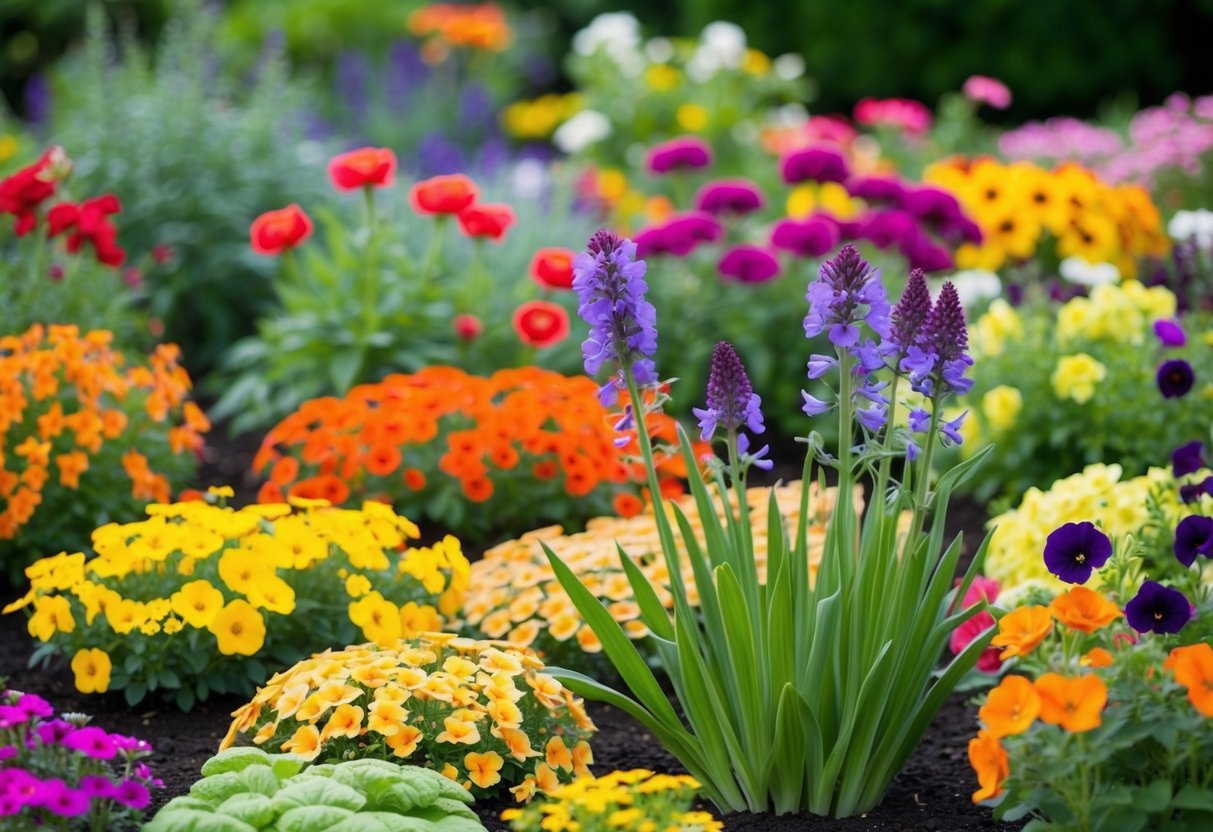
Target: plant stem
[842,505]
[431,253]
[921,490]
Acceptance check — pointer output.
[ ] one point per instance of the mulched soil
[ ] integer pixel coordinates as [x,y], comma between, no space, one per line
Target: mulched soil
[931,794]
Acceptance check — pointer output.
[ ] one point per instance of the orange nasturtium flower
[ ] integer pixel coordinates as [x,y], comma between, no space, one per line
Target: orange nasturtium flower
[1020,630]
[989,760]
[1084,609]
[1193,668]
[1011,708]
[1074,703]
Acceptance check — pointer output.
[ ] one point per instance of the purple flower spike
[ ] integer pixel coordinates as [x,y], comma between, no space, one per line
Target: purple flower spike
[610,287]
[910,313]
[845,285]
[683,153]
[1193,536]
[748,264]
[818,164]
[812,238]
[730,196]
[732,402]
[1175,378]
[1158,609]
[939,354]
[1187,459]
[1074,550]
[1170,333]
[874,189]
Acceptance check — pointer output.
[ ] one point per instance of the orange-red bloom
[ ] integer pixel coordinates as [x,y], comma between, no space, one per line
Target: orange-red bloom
[1193,668]
[1020,630]
[443,194]
[366,167]
[1073,703]
[276,231]
[989,760]
[541,323]
[552,268]
[1011,708]
[489,220]
[1084,609]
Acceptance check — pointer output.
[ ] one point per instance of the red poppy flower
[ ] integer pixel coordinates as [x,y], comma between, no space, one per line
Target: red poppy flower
[443,194]
[541,323]
[486,220]
[467,327]
[25,190]
[276,231]
[89,221]
[552,268]
[367,167]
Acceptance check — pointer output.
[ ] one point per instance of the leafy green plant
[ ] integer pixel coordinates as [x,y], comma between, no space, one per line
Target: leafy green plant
[246,789]
[808,692]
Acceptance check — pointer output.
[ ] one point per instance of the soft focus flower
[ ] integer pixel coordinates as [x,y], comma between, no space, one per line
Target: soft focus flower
[1022,629]
[1001,406]
[729,196]
[443,194]
[1074,550]
[1076,375]
[989,761]
[467,326]
[24,191]
[985,90]
[1010,708]
[91,742]
[748,264]
[541,323]
[1075,704]
[682,153]
[1158,609]
[1193,668]
[1084,609]
[367,167]
[588,127]
[813,237]
[1188,459]
[277,231]
[1170,333]
[910,117]
[1175,378]
[731,400]
[88,221]
[489,220]
[990,659]
[818,164]
[552,268]
[1193,536]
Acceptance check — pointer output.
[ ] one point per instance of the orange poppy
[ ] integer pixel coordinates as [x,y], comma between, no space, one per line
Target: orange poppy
[1076,704]
[1084,609]
[989,760]
[1020,630]
[1193,668]
[1010,708]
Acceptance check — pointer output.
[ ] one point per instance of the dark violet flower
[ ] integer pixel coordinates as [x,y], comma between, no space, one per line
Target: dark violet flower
[729,196]
[58,798]
[939,355]
[919,420]
[847,290]
[909,314]
[1192,492]
[873,189]
[1158,609]
[732,402]
[1175,378]
[748,264]
[1170,333]
[1193,536]
[610,287]
[950,430]
[1187,459]
[683,153]
[1074,550]
[97,787]
[813,237]
[91,742]
[818,164]
[886,229]
[132,794]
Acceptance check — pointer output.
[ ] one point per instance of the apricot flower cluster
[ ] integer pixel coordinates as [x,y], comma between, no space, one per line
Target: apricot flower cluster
[483,713]
[435,442]
[199,596]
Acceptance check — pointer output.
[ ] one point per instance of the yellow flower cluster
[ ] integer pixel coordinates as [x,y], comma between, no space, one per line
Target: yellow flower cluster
[1098,495]
[622,801]
[515,595]
[239,574]
[992,332]
[481,712]
[1122,313]
[1076,375]
[1016,205]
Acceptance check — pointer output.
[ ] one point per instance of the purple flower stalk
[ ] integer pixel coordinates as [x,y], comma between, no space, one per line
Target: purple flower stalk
[1074,550]
[909,315]
[939,354]
[1193,536]
[1187,459]
[748,264]
[610,287]
[683,153]
[1175,378]
[1158,609]
[730,196]
[847,290]
[732,401]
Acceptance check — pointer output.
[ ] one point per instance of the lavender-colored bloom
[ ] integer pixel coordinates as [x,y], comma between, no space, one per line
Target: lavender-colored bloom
[910,314]
[406,70]
[813,237]
[92,742]
[873,189]
[748,264]
[813,406]
[1158,609]
[58,798]
[476,110]
[869,355]
[729,196]
[1074,550]
[818,164]
[38,100]
[939,354]
[872,417]
[436,155]
[1187,459]
[837,299]
[1170,333]
[610,288]
[950,430]
[819,365]
[1175,378]
[731,400]
[683,153]
[758,458]
[353,74]
[885,229]
[919,420]
[132,794]
[1193,536]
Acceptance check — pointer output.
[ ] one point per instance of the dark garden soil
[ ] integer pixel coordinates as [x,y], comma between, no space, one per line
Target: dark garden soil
[931,794]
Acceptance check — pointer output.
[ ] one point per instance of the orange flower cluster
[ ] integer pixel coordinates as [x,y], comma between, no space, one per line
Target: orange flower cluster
[405,438]
[64,395]
[480,26]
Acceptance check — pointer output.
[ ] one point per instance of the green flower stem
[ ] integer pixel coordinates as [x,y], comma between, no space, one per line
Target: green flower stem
[882,478]
[924,478]
[435,247]
[370,294]
[846,433]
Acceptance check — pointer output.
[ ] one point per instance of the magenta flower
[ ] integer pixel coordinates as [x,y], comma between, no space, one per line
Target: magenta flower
[931,205]
[35,705]
[97,787]
[748,264]
[876,189]
[910,117]
[1170,333]
[889,228]
[132,794]
[729,196]
[58,798]
[12,716]
[92,742]
[985,90]
[683,153]
[923,253]
[53,732]
[812,238]
[818,164]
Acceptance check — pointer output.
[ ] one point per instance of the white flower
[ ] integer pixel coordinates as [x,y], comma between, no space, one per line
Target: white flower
[788,67]
[1077,270]
[617,33]
[582,130]
[1193,225]
[530,179]
[721,46]
[973,285]
[659,51]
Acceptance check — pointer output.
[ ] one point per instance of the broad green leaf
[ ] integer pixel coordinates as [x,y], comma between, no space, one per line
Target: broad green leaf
[1194,798]
[235,759]
[786,767]
[179,819]
[312,818]
[317,791]
[252,808]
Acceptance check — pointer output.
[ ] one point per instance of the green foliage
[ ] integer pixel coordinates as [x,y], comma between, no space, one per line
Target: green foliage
[193,153]
[244,789]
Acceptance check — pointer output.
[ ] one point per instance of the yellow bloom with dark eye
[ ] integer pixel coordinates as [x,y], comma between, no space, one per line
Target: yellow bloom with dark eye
[1091,236]
[197,602]
[92,668]
[239,629]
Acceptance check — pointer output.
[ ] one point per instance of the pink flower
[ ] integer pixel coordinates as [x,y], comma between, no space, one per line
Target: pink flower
[58,798]
[748,264]
[985,90]
[682,153]
[92,742]
[132,794]
[990,659]
[911,117]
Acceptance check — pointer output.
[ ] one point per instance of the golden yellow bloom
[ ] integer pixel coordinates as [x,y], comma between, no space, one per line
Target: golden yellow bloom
[238,629]
[304,743]
[1076,376]
[52,614]
[483,769]
[345,721]
[92,668]
[197,602]
[1001,406]
[691,117]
